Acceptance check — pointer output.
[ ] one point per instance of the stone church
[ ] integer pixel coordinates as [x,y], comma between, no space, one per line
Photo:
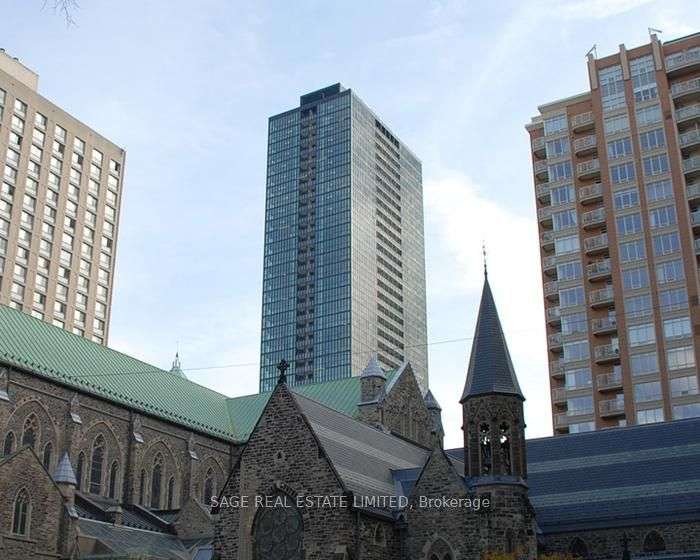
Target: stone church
[105,456]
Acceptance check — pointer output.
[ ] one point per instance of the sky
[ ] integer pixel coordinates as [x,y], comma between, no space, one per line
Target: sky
[187,87]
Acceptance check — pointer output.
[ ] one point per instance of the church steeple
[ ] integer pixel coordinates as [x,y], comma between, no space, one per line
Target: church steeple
[490,367]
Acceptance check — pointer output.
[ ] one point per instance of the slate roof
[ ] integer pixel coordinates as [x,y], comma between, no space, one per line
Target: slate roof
[64,471]
[620,476]
[490,367]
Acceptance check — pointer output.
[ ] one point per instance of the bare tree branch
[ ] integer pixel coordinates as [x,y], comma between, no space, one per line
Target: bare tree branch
[66,8]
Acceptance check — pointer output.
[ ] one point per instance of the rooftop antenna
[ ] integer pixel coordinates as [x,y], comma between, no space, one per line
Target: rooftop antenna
[652,30]
[593,51]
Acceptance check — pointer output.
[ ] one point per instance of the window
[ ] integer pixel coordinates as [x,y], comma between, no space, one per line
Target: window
[633,251]
[559,171]
[581,427]
[557,147]
[645,392]
[564,245]
[142,488]
[680,358]
[654,542]
[639,335]
[113,476]
[620,148]
[629,224]
[156,481]
[671,271]
[673,300]
[208,487]
[569,271]
[678,327]
[650,416]
[78,145]
[618,123]
[278,531]
[659,190]
[681,411]
[627,198]
[655,165]
[80,470]
[666,243]
[575,351]
[46,459]
[652,139]
[554,125]
[564,220]
[622,173]
[562,195]
[648,115]
[574,323]
[60,134]
[578,378]
[612,87]
[20,518]
[97,465]
[684,386]
[571,297]
[40,120]
[579,405]
[643,78]
[643,364]
[662,217]
[635,278]
[8,445]
[30,431]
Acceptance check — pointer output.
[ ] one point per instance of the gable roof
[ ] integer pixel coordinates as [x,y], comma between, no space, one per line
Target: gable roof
[490,367]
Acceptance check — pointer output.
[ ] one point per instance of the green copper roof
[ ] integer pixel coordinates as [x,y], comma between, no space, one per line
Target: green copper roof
[33,345]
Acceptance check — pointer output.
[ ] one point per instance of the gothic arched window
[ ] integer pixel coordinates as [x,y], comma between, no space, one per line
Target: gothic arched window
[9,445]
[440,550]
[142,488]
[379,535]
[48,452]
[156,481]
[30,431]
[208,487]
[113,475]
[654,542]
[504,442]
[20,519]
[97,465]
[578,548]
[171,493]
[485,448]
[279,531]
[80,470]
[510,542]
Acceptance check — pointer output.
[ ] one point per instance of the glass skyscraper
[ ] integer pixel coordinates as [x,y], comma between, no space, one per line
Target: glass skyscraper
[344,265]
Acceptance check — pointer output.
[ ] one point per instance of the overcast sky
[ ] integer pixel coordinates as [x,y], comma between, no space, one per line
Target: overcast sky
[187,87]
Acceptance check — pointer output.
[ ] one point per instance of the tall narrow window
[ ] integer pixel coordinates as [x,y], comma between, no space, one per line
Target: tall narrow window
[504,441]
[113,475]
[142,488]
[9,444]
[97,464]
[30,430]
[485,447]
[171,492]
[48,452]
[208,487]
[156,481]
[80,470]
[20,519]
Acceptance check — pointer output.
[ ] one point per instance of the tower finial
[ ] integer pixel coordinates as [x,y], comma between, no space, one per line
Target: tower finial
[283,366]
[483,251]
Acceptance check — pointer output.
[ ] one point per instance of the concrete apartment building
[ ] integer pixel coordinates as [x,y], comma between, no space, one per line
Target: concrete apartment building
[59,209]
[617,184]
[344,263]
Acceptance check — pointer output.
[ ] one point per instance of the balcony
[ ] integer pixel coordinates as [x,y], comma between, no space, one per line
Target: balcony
[585,145]
[605,353]
[542,192]
[545,215]
[551,290]
[695,219]
[599,270]
[549,265]
[556,369]
[596,244]
[594,218]
[554,342]
[612,407]
[689,140]
[547,240]
[688,114]
[681,62]
[604,325]
[696,244]
[591,193]
[553,315]
[691,166]
[559,395]
[693,191]
[538,147]
[582,122]
[686,90]
[540,169]
[602,298]
[588,169]
[609,381]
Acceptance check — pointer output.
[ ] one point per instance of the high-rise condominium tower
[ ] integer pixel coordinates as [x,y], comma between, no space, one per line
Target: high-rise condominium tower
[617,182]
[344,272]
[59,209]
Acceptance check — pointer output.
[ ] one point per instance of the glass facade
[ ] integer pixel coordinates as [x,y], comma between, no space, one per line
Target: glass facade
[344,265]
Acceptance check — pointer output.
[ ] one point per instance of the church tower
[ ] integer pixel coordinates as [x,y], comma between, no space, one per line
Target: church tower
[494,435]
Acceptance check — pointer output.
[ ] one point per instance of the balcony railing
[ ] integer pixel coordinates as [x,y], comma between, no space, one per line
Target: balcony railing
[689,138]
[551,288]
[548,263]
[559,394]
[582,121]
[542,190]
[696,244]
[687,113]
[553,314]
[547,238]
[540,168]
[587,168]
[544,214]
[606,352]
[599,269]
[585,144]
[611,407]
[691,164]
[682,59]
[554,341]
[602,296]
[693,190]
[538,144]
[596,243]
[695,218]
[604,324]
[680,89]
[556,368]
[590,193]
[612,380]
[593,218]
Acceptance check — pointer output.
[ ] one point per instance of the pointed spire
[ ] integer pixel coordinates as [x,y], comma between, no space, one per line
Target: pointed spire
[64,472]
[490,367]
[431,402]
[373,369]
[176,368]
